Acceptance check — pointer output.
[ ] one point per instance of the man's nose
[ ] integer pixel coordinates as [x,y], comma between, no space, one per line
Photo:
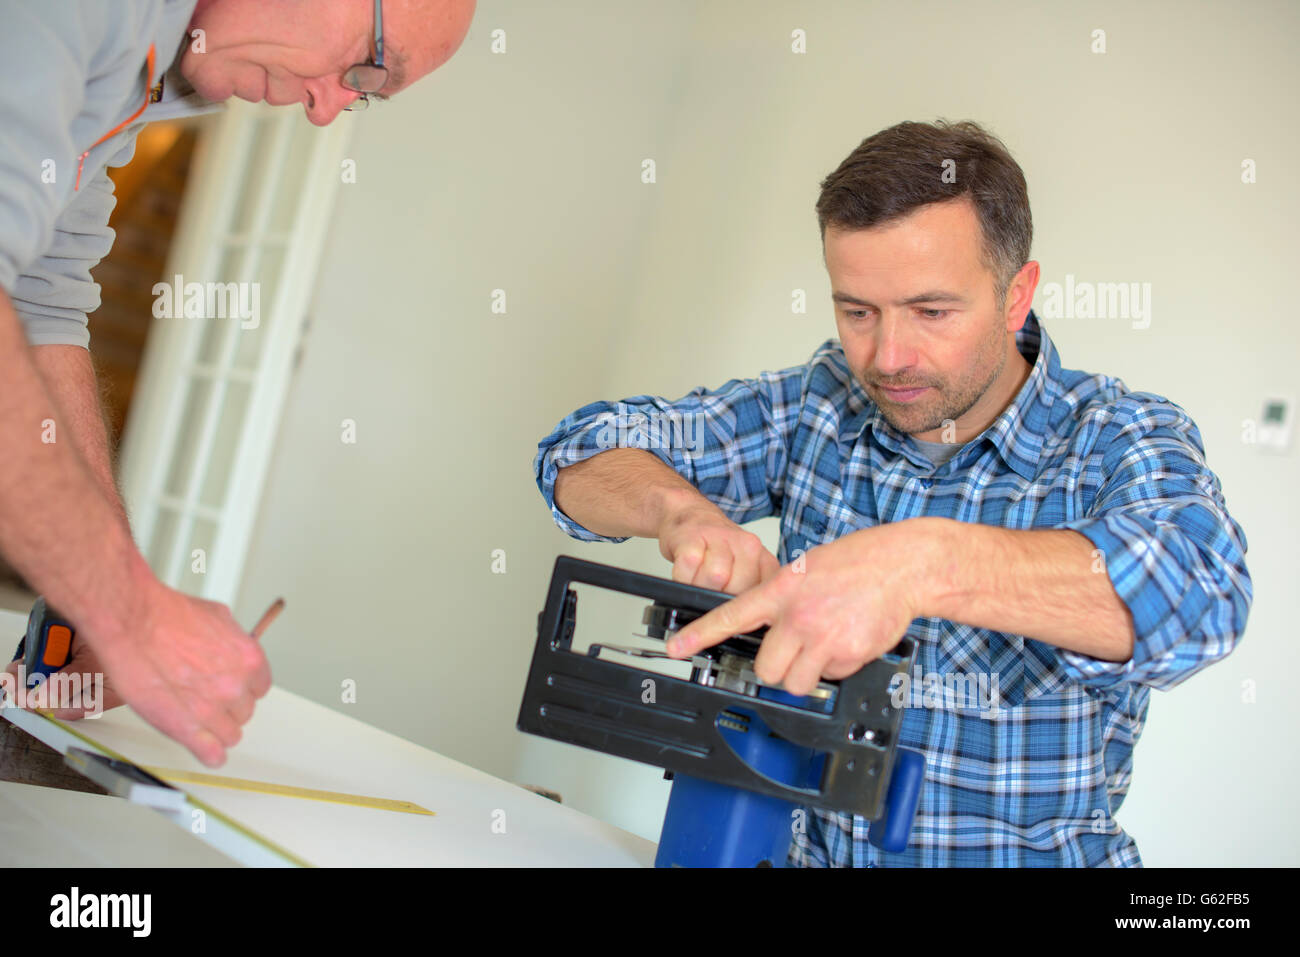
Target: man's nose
[894,351]
[326,98]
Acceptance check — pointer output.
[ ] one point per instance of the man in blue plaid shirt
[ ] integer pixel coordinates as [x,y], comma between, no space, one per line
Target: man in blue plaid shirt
[1053,542]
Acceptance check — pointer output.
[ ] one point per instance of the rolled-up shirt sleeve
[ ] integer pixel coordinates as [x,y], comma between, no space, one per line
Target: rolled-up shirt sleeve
[1173,553]
[731,443]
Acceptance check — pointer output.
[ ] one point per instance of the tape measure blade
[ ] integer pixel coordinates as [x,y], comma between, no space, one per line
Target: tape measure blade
[287,790]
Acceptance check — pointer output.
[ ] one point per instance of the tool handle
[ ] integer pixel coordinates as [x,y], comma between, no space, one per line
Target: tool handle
[890,831]
[47,646]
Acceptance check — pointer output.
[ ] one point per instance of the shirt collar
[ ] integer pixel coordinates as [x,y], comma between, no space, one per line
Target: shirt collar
[1017,433]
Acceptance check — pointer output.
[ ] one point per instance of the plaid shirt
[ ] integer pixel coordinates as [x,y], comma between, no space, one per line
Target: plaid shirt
[1029,747]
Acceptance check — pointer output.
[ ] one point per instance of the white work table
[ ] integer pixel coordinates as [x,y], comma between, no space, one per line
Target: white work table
[478,820]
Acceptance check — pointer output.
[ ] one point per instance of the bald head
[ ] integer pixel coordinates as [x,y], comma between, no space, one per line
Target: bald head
[434,29]
[296,51]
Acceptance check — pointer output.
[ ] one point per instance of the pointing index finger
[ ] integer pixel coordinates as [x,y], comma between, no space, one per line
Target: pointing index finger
[743,613]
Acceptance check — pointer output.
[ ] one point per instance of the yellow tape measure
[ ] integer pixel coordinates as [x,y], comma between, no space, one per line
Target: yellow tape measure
[177,776]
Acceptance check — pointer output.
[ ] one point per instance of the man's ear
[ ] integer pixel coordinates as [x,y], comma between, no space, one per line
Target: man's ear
[1020,296]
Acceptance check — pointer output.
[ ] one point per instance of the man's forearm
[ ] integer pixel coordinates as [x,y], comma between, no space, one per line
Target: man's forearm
[69,378]
[1047,584]
[623,492]
[57,527]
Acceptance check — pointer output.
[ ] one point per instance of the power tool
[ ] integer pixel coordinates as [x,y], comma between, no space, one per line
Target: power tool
[746,759]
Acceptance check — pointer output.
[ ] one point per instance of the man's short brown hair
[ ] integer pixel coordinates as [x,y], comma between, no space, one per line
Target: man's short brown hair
[901,169]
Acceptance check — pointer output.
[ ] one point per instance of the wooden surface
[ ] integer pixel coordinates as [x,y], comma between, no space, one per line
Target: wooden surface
[24,760]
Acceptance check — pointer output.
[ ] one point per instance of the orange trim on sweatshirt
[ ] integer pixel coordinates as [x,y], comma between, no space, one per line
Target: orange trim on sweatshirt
[125,123]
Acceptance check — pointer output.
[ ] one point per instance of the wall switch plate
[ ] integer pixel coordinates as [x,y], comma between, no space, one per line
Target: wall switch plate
[1275,423]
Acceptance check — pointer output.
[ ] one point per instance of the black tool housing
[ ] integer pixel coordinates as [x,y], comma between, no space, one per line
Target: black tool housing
[600,704]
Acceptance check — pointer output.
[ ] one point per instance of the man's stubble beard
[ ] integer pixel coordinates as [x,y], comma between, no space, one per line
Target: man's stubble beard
[953,402]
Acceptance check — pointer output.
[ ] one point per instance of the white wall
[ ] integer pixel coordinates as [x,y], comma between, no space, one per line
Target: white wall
[521,172]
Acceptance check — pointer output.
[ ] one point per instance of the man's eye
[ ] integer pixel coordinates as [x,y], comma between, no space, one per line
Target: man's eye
[934,313]
[856,313]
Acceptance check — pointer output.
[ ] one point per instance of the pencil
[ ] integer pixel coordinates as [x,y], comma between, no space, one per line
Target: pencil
[269,616]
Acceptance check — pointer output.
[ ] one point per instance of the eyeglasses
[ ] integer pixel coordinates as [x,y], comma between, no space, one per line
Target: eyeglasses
[371,76]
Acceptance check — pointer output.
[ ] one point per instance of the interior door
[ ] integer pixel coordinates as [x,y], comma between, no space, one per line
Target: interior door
[215,373]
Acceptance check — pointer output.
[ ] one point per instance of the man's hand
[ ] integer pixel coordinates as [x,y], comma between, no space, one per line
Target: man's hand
[189,670]
[166,700]
[847,603]
[709,550]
